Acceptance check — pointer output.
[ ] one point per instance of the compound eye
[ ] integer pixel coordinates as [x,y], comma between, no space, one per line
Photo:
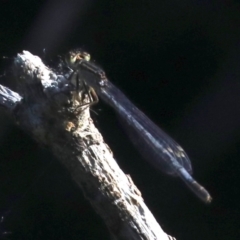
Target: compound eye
[87,56]
[73,58]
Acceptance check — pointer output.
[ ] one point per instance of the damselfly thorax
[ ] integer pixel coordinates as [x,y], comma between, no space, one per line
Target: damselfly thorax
[73,59]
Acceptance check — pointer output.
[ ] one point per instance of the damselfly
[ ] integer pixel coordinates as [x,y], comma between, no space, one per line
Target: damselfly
[155,145]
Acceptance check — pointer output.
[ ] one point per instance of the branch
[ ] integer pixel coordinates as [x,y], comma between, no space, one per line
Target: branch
[45,108]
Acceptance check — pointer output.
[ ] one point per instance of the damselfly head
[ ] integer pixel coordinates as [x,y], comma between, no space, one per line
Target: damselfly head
[76,56]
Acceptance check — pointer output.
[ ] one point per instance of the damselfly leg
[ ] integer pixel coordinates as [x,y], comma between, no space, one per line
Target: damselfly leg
[82,89]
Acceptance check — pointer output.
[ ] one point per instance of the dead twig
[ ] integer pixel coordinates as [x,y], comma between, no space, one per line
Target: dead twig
[44,107]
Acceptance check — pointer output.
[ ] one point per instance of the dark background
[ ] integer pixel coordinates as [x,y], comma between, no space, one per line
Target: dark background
[178,61]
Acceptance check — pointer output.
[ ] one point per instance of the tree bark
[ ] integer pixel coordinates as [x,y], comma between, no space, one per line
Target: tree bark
[44,107]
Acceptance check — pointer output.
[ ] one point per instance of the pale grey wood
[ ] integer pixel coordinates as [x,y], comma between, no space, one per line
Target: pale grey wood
[47,113]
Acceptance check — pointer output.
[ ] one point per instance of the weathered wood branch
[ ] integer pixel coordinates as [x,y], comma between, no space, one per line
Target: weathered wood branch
[45,108]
